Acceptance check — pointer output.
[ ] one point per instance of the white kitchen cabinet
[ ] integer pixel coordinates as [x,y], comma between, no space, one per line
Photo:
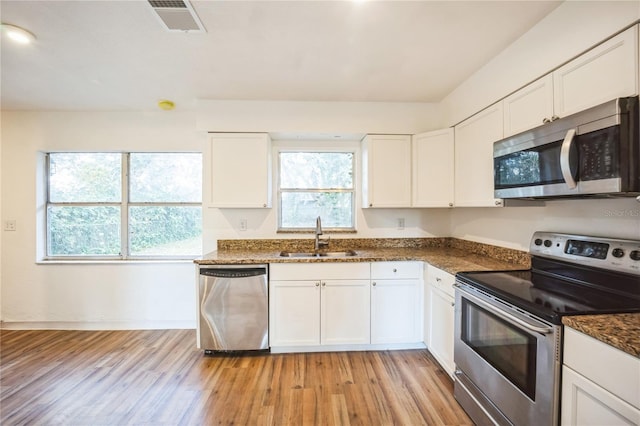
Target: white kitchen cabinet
[600,384]
[440,317]
[313,304]
[294,313]
[529,107]
[432,166]
[608,71]
[474,140]
[386,171]
[396,302]
[240,170]
[345,317]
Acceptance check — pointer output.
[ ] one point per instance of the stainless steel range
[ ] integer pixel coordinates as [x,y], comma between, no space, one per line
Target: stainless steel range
[508,325]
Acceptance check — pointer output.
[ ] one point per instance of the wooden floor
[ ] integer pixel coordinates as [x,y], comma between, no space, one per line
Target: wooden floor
[158,377]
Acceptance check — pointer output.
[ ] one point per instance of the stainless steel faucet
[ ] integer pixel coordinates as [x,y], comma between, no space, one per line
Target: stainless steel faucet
[319,243]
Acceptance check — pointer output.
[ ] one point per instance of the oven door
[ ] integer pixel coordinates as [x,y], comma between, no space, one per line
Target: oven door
[508,359]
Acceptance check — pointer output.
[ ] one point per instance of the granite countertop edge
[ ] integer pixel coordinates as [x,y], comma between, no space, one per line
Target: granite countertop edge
[622,331]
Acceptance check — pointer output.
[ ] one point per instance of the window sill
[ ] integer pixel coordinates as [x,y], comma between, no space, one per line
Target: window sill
[112,262]
[311,231]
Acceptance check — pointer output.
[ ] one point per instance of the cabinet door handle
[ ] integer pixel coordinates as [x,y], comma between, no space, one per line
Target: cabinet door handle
[453,304]
[395,270]
[450,204]
[373,284]
[438,279]
[318,284]
[554,117]
[324,284]
[545,120]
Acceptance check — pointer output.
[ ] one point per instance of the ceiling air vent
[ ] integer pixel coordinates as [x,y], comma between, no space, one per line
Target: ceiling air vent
[177,15]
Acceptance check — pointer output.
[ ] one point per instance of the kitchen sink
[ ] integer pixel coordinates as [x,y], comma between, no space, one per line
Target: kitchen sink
[347,253]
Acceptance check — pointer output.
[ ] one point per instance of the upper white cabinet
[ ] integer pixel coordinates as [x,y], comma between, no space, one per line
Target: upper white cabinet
[529,107]
[386,171]
[240,170]
[433,165]
[603,73]
[474,140]
[396,302]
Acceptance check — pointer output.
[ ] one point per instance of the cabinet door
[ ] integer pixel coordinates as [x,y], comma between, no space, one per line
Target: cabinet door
[474,140]
[605,72]
[441,334]
[386,171]
[432,157]
[529,107]
[396,311]
[584,403]
[294,313]
[240,170]
[346,308]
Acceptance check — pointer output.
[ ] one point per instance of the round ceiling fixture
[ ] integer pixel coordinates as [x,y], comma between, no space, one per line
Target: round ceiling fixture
[17,34]
[166,105]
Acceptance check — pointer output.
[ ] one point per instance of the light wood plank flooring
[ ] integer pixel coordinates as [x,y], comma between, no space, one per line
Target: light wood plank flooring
[158,377]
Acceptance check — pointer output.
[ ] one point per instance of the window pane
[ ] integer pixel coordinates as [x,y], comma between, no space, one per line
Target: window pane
[300,209]
[84,231]
[316,170]
[165,231]
[165,177]
[85,177]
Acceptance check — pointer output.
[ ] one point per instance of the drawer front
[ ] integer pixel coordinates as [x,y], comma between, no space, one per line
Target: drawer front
[319,271]
[441,280]
[397,270]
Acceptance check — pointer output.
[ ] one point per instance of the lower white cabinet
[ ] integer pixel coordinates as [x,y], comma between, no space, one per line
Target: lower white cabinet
[396,308]
[344,305]
[439,317]
[600,384]
[319,304]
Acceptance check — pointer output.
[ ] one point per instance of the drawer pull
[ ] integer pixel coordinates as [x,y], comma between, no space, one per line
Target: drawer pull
[395,270]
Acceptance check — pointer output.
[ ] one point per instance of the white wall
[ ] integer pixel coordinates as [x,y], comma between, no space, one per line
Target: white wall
[131,295]
[569,30]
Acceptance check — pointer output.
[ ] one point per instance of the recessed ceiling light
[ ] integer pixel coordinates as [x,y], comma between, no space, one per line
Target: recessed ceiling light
[17,34]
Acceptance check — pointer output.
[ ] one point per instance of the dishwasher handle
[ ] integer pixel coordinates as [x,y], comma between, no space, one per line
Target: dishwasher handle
[234,272]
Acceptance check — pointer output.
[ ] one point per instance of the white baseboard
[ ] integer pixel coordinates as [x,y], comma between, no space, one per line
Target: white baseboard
[343,348]
[102,325]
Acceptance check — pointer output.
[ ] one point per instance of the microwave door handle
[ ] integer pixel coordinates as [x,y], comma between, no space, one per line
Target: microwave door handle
[565,160]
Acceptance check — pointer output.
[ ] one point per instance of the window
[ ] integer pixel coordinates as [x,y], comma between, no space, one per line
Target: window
[124,205]
[313,184]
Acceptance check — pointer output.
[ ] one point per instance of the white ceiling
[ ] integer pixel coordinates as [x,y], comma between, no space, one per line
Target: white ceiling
[116,55]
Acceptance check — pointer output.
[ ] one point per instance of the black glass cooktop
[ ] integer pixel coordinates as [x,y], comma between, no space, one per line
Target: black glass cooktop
[551,296]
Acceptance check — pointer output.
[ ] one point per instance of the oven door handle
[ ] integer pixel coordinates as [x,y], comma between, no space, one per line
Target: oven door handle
[505,315]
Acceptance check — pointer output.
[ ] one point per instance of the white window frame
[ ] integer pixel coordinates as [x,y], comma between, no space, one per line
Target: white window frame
[352,190]
[124,204]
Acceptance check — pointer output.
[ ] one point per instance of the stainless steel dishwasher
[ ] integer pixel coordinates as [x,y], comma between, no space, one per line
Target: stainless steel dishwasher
[233,309]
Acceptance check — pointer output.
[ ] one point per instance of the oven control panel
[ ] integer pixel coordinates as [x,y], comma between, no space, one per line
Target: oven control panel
[608,253]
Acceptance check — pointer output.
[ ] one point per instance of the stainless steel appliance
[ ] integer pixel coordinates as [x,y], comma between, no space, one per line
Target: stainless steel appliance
[592,153]
[233,309]
[508,324]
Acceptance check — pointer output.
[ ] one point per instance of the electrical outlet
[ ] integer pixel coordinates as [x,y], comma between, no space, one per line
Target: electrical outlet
[9,225]
[401,223]
[243,224]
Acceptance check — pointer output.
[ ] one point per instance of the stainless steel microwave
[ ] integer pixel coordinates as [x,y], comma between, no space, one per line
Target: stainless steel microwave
[595,152]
